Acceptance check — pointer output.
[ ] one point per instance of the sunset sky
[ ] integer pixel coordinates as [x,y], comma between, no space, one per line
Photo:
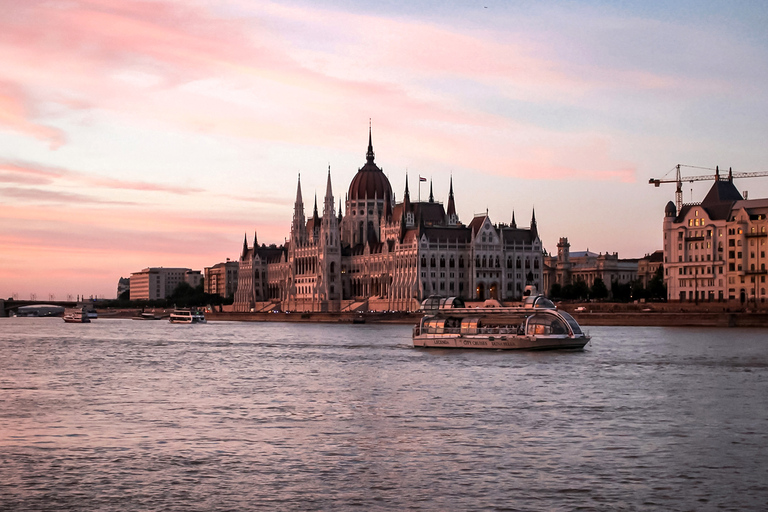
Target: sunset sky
[157,133]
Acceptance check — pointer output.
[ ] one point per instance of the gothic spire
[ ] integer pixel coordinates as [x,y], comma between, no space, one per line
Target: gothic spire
[514,224]
[534,229]
[431,195]
[451,204]
[369,155]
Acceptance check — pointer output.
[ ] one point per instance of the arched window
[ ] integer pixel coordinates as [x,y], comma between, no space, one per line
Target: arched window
[442,261]
[519,263]
[509,262]
[485,262]
[536,263]
[527,263]
[432,261]
[461,261]
[477,261]
[451,262]
[423,261]
[497,262]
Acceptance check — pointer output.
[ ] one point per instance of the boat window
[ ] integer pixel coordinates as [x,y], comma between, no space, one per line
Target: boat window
[546,324]
[435,326]
[572,322]
[469,325]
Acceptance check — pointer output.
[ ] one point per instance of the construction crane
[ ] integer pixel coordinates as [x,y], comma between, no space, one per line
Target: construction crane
[689,179]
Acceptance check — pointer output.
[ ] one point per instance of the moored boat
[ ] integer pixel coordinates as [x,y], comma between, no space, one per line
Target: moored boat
[536,325]
[147,315]
[187,316]
[76,316]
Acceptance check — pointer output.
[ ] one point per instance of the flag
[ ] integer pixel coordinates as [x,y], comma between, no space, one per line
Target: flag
[422,179]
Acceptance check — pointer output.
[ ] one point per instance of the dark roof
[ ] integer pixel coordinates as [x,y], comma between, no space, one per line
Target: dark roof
[430,214]
[517,235]
[722,191]
[477,223]
[450,234]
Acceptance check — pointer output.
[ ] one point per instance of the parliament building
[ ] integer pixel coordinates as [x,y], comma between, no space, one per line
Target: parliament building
[380,255]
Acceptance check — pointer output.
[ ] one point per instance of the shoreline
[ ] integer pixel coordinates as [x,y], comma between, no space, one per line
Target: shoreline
[667,317]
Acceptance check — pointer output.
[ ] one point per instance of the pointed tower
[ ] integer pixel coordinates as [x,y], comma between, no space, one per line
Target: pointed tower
[514,223]
[329,256]
[245,247]
[534,228]
[315,223]
[299,226]
[431,195]
[453,219]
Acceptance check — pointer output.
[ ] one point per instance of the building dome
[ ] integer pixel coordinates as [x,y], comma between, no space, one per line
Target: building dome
[370,181]
[670,210]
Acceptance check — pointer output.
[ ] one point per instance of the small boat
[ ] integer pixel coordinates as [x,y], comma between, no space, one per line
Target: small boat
[147,315]
[76,316]
[536,325]
[187,316]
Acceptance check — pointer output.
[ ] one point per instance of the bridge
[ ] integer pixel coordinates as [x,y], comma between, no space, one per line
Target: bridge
[12,306]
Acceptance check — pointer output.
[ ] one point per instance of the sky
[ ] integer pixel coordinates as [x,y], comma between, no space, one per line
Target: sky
[159,133]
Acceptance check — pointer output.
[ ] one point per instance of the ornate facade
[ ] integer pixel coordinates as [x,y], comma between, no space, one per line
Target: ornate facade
[715,250]
[382,255]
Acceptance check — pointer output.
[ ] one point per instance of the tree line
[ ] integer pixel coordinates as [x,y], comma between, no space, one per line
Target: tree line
[618,292]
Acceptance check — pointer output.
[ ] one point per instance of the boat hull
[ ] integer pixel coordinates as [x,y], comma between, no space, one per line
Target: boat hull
[511,342]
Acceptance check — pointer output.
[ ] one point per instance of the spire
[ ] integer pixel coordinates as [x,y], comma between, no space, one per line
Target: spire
[255,242]
[451,204]
[328,205]
[534,228]
[730,174]
[299,201]
[315,215]
[369,155]
[245,245]
[406,197]
[431,195]
[514,224]
[717,173]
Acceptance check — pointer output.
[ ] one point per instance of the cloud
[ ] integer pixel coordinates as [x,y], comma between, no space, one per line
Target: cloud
[17,115]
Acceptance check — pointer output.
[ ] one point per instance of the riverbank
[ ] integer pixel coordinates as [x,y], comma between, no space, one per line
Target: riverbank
[667,315]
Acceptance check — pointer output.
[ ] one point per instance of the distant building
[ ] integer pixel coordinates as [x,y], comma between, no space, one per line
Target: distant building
[648,266]
[568,267]
[383,255]
[155,283]
[123,285]
[221,279]
[715,250]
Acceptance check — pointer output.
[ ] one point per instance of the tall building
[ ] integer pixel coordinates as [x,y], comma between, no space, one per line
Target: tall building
[154,283]
[383,255]
[715,250]
[221,279]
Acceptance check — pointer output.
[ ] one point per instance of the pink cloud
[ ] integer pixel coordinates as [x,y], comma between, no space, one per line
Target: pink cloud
[16,115]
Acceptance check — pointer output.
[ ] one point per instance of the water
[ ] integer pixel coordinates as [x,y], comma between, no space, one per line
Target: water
[121,415]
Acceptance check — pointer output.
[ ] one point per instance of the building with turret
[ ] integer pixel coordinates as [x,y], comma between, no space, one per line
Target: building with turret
[383,255]
[715,250]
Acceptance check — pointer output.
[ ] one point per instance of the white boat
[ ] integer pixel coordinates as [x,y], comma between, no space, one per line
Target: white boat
[76,316]
[536,325]
[187,316]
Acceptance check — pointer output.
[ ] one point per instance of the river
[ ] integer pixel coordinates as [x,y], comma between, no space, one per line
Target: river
[122,415]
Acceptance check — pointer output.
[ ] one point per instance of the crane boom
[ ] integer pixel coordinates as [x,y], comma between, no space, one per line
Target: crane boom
[707,177]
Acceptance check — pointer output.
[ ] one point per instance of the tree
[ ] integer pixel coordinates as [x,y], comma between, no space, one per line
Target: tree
[656,288]
[599,290]
[556,292]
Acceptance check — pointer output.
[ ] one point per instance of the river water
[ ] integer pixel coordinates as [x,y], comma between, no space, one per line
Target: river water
[122,415]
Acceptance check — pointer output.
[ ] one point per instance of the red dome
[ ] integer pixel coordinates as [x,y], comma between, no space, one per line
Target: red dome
[369,182]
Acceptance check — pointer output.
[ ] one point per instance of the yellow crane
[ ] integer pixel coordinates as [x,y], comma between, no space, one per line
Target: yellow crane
[708,177]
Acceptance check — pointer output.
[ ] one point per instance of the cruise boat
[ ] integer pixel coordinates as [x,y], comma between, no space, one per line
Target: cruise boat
[187,316]
[535,325]
[76,316]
